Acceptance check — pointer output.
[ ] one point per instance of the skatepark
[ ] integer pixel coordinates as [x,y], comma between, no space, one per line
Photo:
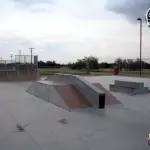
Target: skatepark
[74,75]
[66,112]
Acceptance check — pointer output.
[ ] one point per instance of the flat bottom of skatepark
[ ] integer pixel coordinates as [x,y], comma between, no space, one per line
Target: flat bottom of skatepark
[117,127]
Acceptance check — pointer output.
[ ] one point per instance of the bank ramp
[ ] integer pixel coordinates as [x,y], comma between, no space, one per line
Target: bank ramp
[68,92]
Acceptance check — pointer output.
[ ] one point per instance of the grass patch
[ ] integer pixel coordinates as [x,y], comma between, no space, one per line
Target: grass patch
[64,70]
[98,72]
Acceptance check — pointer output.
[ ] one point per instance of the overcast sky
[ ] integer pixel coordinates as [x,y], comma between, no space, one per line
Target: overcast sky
[65,30]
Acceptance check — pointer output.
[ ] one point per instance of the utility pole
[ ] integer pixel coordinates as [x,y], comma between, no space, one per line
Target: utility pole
[31,50]
[19,55]
[11,56]
[139,19]
[1,59]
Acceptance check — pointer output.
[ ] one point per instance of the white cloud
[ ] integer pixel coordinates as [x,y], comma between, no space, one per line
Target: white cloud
[31,2]
[69,30]
[131,9]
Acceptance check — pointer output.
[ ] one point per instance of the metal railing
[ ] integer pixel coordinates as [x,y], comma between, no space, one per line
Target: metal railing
[22,59]
[7,62]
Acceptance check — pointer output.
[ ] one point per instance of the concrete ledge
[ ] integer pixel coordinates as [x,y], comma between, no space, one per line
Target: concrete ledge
[131,88]
[136,85]
[144,90]
[121,89]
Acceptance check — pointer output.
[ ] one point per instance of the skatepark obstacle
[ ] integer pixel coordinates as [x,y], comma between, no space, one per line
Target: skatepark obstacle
[127,87]
[68,91]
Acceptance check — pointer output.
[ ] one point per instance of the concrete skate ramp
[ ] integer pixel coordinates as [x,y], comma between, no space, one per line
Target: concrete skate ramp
[94,95]
[47,92]
[62,95]
[72,97]
[109,98]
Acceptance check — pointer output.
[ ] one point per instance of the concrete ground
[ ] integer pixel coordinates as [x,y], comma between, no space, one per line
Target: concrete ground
[118,127]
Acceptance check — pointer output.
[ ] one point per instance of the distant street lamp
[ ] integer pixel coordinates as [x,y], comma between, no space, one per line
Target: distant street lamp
[140,20]
[19,55]
[11,56]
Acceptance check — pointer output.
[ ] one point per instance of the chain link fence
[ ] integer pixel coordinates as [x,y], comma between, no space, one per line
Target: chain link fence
[20,60]
[26,59]
[131,67]
[7,61]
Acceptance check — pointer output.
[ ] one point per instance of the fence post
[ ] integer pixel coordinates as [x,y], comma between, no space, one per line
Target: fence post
[5,63]
[15,58]
[28,71]
[24,59]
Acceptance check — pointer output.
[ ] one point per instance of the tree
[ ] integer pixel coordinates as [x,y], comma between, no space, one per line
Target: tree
[119,62]
[136,65]
[90,62]
[104,65]
[48,64]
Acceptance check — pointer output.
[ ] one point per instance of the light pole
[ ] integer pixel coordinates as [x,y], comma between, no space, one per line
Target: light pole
[1,59]
[19,55]
[140,20]
[31,53]
[11,56]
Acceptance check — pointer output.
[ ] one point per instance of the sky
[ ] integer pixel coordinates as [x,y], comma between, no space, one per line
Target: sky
[67,30]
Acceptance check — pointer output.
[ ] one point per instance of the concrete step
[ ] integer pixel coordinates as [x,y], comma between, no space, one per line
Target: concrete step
[121,89]
[128,90]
